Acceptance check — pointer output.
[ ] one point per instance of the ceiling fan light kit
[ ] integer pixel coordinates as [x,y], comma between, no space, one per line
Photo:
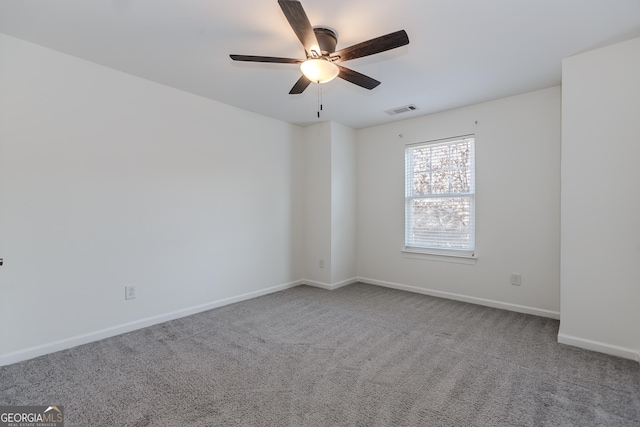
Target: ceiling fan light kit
[319,70]
[320,64]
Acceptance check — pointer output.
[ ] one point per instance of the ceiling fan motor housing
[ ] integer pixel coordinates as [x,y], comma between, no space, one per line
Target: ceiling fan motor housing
[327,39]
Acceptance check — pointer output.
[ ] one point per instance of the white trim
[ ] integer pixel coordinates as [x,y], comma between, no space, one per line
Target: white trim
[327,286]
[473,300]
[600,347]
[64,344]
[442,140]
[461,258]
[40,350]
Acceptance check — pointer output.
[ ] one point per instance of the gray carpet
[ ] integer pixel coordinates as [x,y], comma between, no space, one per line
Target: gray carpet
[358,356]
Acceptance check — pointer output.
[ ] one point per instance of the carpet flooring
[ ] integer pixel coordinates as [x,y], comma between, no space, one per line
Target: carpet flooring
[361,355]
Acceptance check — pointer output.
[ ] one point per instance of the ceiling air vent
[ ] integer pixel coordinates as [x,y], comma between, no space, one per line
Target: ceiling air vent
[400,110]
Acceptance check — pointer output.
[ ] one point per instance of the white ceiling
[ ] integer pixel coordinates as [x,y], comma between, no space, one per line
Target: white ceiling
[461,51]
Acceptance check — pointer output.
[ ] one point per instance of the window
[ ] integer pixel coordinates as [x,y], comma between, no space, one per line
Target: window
[440,197]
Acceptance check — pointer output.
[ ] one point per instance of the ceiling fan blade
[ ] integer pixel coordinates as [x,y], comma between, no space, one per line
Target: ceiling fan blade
[300,85]
[253,58]
[371,47]
[300,24]
[357,78]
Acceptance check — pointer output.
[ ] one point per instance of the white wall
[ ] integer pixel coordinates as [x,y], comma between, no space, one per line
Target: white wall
[330,205]
[343,204]
[601,200]
[109,180]
[517,204]
[317,202]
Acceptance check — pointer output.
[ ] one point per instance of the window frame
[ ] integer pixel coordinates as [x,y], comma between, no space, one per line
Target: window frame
[463,255]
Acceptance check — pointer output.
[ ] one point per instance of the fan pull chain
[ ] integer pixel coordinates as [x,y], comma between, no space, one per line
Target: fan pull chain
[319,98]
[319,102]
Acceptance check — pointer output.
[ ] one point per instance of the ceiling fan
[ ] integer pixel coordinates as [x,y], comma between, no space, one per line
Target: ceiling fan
[321,63]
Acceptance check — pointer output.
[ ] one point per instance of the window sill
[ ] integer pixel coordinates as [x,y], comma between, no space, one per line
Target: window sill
[424,254]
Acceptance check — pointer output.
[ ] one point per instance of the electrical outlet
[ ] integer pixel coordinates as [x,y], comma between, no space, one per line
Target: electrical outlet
[129,292]
[321,263]
[516,279]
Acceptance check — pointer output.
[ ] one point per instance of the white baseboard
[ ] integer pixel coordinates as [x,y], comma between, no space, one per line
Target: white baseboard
[327,286]
[30,353]
[64,344]
[600,347]
[480,301]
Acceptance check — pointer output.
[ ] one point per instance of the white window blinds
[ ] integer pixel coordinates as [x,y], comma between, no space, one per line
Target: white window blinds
[440,196]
